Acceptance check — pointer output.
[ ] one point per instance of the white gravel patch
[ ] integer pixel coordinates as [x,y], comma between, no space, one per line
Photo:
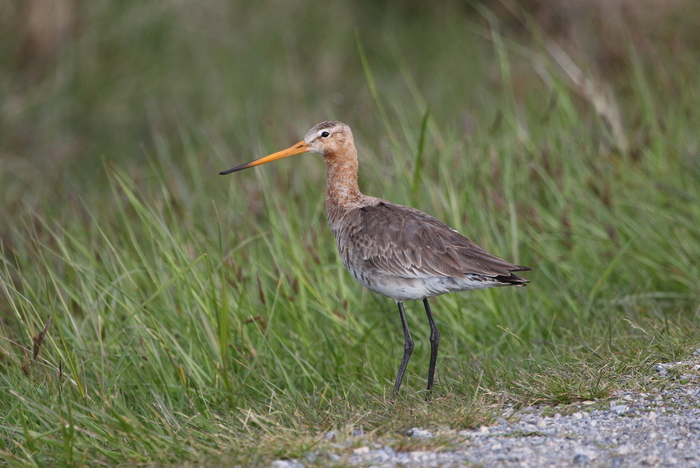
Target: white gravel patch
[635,429]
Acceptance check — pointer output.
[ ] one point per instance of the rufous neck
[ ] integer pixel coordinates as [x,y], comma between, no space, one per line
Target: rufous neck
[341,179]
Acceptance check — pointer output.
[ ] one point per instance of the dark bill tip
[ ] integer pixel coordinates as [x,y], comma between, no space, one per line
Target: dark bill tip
[234,169]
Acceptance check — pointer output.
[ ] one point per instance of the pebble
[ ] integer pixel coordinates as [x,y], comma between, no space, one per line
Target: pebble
[619,409]
[419,432]
[624,449]
[286,464]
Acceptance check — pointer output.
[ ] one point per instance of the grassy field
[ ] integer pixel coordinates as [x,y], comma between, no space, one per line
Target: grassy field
[152,312]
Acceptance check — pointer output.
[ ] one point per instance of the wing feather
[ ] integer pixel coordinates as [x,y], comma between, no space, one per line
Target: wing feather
[404,242]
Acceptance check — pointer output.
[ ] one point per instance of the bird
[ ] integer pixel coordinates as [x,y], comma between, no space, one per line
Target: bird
[394,250]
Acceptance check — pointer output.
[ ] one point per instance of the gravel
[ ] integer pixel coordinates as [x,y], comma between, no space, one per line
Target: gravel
[660,428]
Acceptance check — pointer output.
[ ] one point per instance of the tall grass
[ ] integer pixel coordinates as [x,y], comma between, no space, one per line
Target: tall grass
[194,316]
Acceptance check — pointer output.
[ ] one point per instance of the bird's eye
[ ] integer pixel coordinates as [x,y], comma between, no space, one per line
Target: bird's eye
[325,134]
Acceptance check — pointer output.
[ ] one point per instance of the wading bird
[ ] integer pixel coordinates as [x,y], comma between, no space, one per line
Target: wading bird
[394,250]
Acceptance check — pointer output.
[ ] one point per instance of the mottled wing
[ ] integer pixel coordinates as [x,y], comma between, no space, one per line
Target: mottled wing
[404,242]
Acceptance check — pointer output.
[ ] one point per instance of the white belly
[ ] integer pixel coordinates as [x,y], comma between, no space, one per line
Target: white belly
[410,289]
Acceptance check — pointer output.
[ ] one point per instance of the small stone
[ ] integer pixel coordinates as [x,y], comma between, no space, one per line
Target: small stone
[694,426]
[541,423]
[484,430]
[330,435]
[361,450]
[557,415]
[357,433]
[286,464]
[419,432]
[389,451]
[496,446]
[422,456]
[619,409]
[652,415]
[581,459]
[577,415]
[624,449]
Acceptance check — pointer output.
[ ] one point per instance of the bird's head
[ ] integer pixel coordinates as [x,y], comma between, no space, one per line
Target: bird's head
[328,138]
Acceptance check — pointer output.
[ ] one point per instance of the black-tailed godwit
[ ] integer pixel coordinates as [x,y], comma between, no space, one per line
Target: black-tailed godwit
[394,250]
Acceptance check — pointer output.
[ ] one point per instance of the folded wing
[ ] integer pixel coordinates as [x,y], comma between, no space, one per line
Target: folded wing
[404,242]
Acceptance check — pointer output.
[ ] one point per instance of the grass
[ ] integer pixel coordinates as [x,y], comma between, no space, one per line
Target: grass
[195,318]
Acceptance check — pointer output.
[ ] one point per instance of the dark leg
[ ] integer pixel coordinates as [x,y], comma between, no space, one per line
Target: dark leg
[434,344]
[407,348]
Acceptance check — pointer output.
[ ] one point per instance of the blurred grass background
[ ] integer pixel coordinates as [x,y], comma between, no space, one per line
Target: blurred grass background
[194,316]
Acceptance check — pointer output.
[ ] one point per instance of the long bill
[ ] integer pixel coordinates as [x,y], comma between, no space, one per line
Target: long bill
[300,147]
